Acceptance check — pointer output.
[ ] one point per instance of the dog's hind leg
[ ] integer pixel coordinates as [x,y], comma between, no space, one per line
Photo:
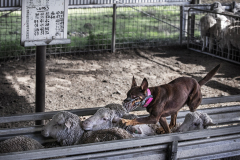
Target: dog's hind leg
[173,120]
[165,128]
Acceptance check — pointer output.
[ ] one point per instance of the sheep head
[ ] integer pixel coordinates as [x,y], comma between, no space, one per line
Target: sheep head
[65,127]
[102,119]
[195,121]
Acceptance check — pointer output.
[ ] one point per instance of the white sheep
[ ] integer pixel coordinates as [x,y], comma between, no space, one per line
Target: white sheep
[19,143]
[109,116]
[194,121]
[217,7]
[217,32]
[65,127]
[206,22]
[235,7]
[232,37]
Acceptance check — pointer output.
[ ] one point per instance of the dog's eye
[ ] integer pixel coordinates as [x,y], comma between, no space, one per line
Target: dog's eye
[104,119]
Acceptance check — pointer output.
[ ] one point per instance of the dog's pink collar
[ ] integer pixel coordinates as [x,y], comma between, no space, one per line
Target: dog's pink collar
[149,100]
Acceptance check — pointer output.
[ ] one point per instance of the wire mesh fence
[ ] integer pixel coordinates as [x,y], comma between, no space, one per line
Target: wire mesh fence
[18,3]
[90,29]
[137,29]
[216,34]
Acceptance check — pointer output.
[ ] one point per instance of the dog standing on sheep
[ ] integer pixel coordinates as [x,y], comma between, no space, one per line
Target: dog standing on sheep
[165,100]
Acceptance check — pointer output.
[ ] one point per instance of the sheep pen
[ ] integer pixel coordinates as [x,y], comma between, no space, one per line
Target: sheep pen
[97,79]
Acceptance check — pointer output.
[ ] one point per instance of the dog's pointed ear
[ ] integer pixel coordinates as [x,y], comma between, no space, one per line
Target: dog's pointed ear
[144,85]
[134,83]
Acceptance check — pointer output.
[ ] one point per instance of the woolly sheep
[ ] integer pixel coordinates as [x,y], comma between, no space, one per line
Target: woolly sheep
[194,121]
[19,143]
[65,127]
[235,7]
[206,22]
[105,135]
[108,117]
[231,37]
[217,7]
[217,32]
[105,117]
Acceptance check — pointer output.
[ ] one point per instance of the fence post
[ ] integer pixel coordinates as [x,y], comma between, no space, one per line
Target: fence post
[185,20]
[114,28]
[188,31]
[192,25]
[181,24]
[40,81]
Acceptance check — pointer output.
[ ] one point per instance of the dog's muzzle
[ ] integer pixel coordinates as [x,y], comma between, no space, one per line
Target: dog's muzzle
[131,104]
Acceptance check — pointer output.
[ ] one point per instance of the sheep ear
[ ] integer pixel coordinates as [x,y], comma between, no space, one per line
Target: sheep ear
[69,123]
[144,85]
[60,118]
[134,83]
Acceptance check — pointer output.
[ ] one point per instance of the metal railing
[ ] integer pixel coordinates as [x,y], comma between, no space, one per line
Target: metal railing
[211,143]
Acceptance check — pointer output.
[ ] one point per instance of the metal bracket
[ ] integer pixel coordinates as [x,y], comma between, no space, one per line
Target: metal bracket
[172,150]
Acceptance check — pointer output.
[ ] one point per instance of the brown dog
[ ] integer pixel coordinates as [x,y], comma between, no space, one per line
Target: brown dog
[165,100]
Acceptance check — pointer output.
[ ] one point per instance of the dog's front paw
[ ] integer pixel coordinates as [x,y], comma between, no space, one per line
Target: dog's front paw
[127,122]
[160,131]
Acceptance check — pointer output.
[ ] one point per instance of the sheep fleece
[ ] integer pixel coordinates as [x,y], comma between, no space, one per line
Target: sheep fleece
[19,143]
[105,135]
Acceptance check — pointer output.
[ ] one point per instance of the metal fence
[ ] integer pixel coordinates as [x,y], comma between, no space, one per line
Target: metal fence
[222,38]
[18,3]
[219,142]
[90,29]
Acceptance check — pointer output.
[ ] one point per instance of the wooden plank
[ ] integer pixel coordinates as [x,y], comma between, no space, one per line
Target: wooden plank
[120,144]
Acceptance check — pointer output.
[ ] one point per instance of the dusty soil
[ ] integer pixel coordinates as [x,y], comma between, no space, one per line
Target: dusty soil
[96,79]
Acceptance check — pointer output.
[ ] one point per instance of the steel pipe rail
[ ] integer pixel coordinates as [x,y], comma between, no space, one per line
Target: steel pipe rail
[91,111]
[219,115]
[110,148]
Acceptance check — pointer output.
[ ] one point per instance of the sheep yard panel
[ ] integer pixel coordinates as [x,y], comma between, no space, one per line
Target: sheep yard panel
[221,142]
[90,29]
[18,3]
[218,48]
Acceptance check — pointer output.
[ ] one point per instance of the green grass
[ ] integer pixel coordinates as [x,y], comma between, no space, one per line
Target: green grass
[132,27]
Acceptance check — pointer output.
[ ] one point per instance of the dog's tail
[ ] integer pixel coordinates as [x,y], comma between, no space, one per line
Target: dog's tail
[209,75]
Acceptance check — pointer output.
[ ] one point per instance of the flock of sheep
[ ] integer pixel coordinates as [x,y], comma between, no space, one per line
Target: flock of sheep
[104,125]
[223,30]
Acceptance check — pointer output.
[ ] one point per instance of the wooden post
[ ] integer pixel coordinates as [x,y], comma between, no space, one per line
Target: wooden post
[114,28]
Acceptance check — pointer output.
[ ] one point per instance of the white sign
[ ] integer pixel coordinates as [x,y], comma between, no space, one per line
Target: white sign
[44,22]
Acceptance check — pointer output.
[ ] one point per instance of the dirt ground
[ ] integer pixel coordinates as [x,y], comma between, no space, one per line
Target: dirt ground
[96,79]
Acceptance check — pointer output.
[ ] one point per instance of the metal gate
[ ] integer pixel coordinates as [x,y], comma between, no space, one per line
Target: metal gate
[222,38]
